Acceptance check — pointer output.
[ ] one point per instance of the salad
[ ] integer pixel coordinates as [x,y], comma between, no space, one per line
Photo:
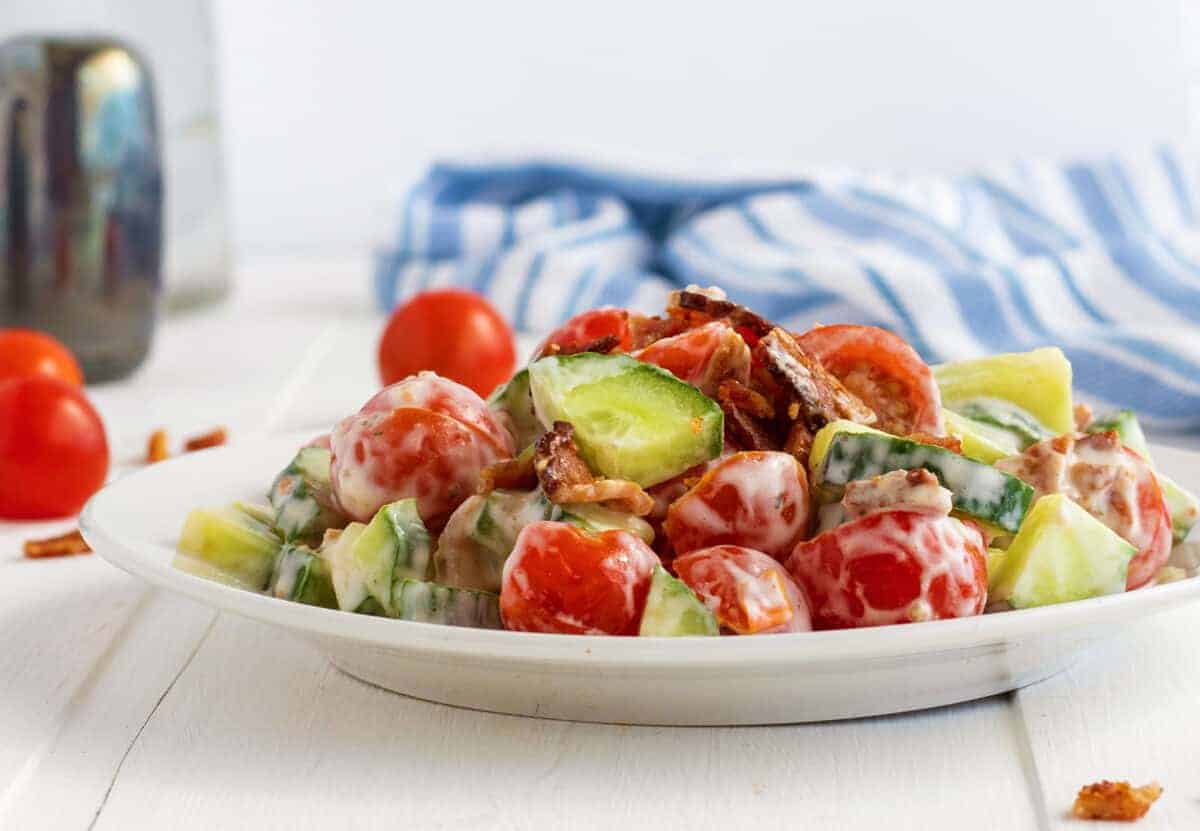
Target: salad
[706,472]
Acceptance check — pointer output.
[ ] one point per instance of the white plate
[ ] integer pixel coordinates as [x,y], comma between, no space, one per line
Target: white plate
[814,676]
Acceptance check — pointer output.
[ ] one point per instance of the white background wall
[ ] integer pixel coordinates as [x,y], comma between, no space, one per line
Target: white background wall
[332,106]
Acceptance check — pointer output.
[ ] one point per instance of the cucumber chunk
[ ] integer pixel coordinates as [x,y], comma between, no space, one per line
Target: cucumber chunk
[1183,506]
[978,490]
[822,440]
[673,610]
[1004,417]
[1062,553]
[349,584]
[302,576]
[502,514]
[982,442]
[515,402]
[394,546]
[632,420]
[1039,382]
[301,497]
[433,603]
[596,518]
[231,542]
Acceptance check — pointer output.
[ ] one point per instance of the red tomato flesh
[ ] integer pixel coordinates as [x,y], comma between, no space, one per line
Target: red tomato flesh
[892,567]
[562,580]
[884,371]
[749,592]
[53,450]
[756,499]
[25,352]
[452,332]
[693,355]
[428,391]
[589,327]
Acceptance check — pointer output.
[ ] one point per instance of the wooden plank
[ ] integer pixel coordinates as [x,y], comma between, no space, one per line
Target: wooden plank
[1127,711]
[260,732]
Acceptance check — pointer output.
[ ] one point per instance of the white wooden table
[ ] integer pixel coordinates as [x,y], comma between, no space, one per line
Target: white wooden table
[125,707]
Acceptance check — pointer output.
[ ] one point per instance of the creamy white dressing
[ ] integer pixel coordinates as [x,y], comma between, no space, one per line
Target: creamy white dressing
[917,490]
[287,573]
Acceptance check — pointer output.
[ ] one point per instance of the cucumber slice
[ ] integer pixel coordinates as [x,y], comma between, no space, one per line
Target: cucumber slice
[394,546]
[1183,506]
[978,490]
[515,402]
[597,518]
[981,442]
[258,513]
[301,496]
[302,576]
[232,542]
[1004,417]
[501,516]
[1062,553]
[433,603]
[632,420]
[1039,382]
[822,440]
[673,610]
[349,584]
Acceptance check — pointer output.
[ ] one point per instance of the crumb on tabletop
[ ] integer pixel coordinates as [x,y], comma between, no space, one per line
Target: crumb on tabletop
[213,438]
[1115,800]
[63,545]
[156,447]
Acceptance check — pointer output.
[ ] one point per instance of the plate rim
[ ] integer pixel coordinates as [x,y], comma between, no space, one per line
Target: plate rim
[627,653]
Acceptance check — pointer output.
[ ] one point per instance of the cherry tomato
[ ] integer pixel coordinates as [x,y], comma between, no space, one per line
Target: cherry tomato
[757,499]
[24,352]
[749,592]
[429,391]
[884,371]
[381,456]
[560,579]
[588,327]
[53,451]
[703,356]
[892,567]
[453,332]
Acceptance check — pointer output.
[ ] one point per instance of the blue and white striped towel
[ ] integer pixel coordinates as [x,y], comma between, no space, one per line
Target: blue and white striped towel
[1100,258]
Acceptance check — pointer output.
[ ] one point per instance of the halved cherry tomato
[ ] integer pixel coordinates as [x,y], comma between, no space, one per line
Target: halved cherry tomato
[884,371]
[892,567]
[757,499]
[589,327]
[53,451]
[429,391]
[455,333]
[25,352]
[702,356]
[749,592]
[562,580]
[381,456]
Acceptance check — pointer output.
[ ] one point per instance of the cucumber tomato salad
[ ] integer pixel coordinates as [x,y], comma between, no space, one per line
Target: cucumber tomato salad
[706,472]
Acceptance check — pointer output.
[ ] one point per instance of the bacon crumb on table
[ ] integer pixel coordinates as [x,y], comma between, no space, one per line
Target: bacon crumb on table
[156,447]
[64,545]
[213,438]
[1115,800]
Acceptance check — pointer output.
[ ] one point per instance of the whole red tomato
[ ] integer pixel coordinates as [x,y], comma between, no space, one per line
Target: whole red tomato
[53,452]
[24,352]
[455,333]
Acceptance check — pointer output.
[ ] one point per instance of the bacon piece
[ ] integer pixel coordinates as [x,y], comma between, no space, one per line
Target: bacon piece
[648,330]
[951,443]
[156,447]
[899,490]
[744,409]
[510,474]
[60,546]
[799,442]
[566,478]
[213,438]
[695,305]
[1115,800]
[821,398]
[602,345]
